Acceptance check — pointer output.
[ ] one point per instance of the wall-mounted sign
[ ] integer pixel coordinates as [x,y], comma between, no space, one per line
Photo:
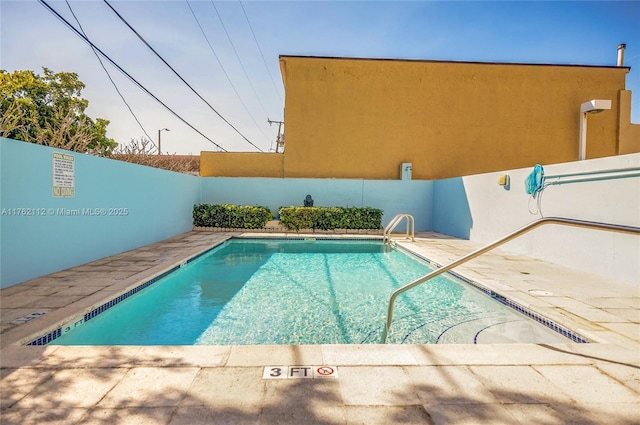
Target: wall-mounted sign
[64,184]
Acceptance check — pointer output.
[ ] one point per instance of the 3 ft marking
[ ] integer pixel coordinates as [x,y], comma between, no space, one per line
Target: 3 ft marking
[299,372]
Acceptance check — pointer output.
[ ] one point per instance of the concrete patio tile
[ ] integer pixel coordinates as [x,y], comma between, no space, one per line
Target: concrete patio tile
[6,327]
[227,387]
[616,302]
[530,354]
[129,416]
[588,385]
[91,357]
[302,401]
[40,291]
[147,387]
[302,414]
[21,356]
[627,374]
[552,414]
[268,355]
[505,354]
[16,383]
[599,316]
[361,355]
[12,290]
[607,353]
[454,354]
[379,386]
[614,413]
[470,414]
[55,301]
[448,385]
[385,415]
[74,291]
[605,335]
[183,355]
[72,388]
[43,416]
[630,314]
[519,384]
[18,301]
[630,330]
[192,415]
[570,303]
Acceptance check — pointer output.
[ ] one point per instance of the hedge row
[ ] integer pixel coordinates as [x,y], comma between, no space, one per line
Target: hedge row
[231,216]
[292,218]
[330,218]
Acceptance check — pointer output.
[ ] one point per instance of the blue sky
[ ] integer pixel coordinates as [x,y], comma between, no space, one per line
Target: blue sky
[558,32]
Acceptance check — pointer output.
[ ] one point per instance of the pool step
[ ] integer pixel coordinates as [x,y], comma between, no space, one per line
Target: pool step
[466,332]
[498,331]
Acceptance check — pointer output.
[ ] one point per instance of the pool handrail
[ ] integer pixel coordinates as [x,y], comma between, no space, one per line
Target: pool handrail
[540,222]
[386,236]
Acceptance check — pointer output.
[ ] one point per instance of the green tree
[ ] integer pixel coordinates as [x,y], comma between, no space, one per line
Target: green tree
[47,109]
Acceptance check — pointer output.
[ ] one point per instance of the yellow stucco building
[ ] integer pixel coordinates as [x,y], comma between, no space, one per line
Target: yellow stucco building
[363,118]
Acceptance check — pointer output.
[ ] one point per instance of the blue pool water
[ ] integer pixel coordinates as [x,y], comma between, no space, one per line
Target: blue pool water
[304,292]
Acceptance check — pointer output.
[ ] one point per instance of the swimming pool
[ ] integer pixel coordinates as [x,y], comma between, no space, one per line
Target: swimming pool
[303,292]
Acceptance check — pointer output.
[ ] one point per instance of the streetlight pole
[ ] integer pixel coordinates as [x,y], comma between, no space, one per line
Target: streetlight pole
[591,107]
[160,131]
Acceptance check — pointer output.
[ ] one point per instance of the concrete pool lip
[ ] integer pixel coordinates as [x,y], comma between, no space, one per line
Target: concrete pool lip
[591,383]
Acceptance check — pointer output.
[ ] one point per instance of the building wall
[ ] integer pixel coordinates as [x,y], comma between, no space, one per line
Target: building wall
[629,133]
[241,164]
[39,239]
[362,118]
[393,197]
[477,208]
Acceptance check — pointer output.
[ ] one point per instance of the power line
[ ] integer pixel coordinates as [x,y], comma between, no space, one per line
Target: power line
[224,71]
[179,76]
[109,76]
[261,54]
[239,60]
[90,43]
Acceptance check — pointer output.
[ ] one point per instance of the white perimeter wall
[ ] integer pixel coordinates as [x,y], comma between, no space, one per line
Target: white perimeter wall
[38,240]
[477,208]
[160,205]
[392,196]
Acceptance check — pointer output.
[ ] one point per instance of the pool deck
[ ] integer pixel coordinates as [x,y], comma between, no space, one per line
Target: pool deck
[568,383]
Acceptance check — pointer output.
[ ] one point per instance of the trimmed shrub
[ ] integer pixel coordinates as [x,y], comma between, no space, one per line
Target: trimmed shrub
[231,216]
[330,218]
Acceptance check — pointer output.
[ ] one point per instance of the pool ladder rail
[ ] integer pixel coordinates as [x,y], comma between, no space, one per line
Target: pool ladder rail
[410,227]
[540,222]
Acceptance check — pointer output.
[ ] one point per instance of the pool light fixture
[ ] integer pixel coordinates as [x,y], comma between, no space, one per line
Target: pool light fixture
[591,107]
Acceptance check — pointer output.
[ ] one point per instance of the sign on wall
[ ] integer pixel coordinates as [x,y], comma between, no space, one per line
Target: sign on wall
[63,175]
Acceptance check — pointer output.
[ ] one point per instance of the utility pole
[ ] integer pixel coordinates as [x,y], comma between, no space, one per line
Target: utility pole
[280,139]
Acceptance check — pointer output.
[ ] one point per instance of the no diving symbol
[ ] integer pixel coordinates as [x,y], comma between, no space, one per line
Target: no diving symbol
[325,371]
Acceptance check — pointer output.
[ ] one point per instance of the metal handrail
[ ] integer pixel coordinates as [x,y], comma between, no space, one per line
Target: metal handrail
[501,241]
[386,236]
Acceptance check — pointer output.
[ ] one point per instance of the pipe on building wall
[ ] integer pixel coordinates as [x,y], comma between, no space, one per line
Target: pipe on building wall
[621,48]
